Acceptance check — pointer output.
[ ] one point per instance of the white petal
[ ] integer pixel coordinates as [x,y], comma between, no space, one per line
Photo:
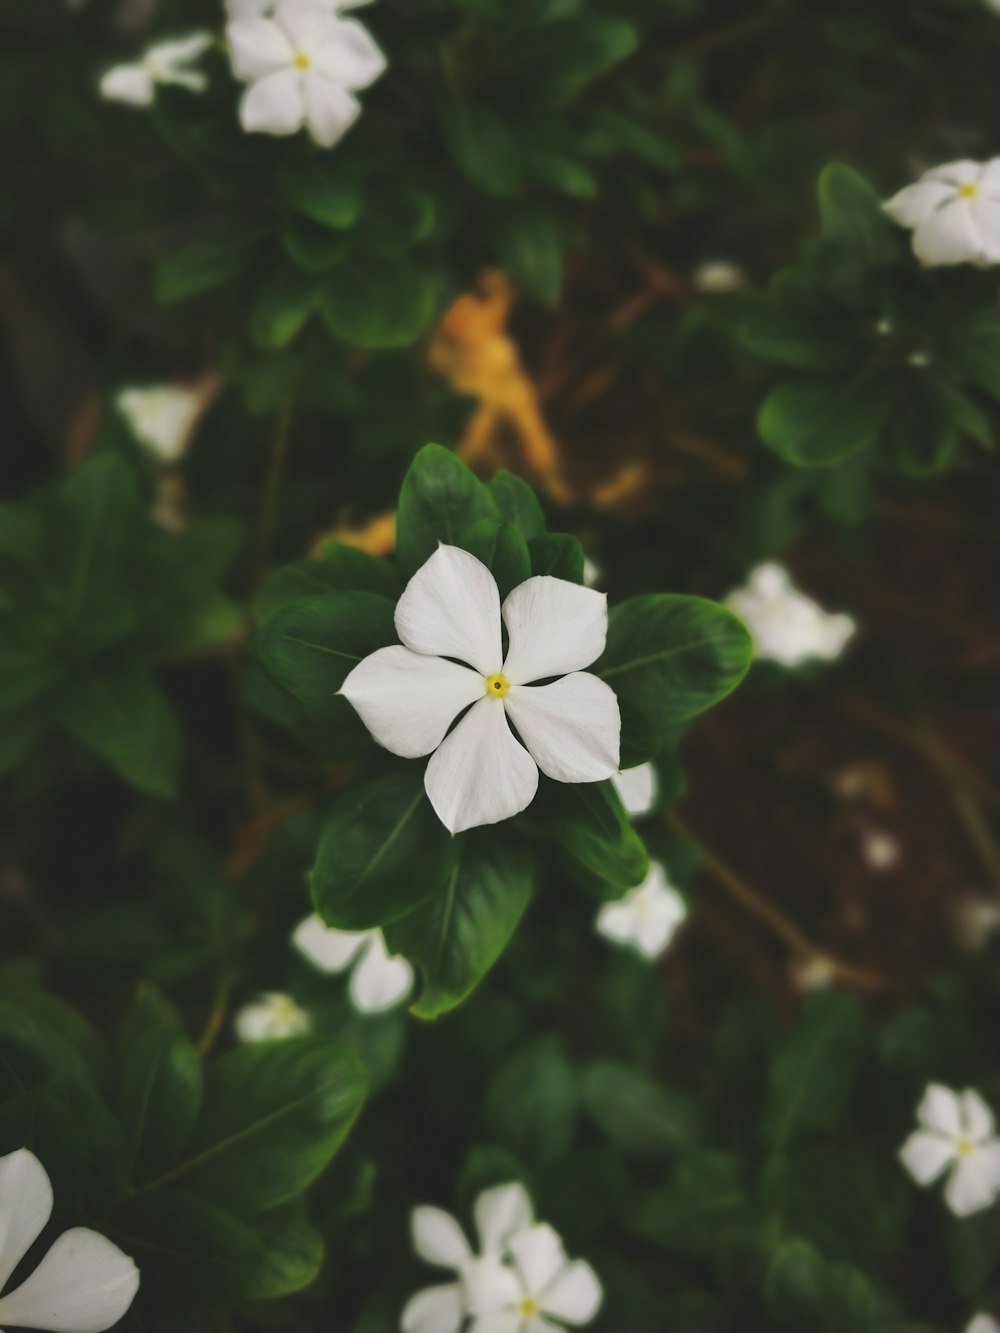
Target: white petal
[661,910]
[169,55]
[83,1285]
[307,24]
[571,728]
[963,172]
[25,1207]
[480,774]
[619,921]
[451,608]
[940,1110]
[502,1321]
[274,104]
[351,55]
[555,627]
[499,1213]
[985,212]
[926,1155]
[330,110]
[249,9]
[770,580]
[488,1285]
[437,1237]
[978,1123]
[973,1185]
[128,83]
[381,979]
[258,47]
[539,1257]
[436,1310]
[275,1017]
[637,788]
[915,203]
[162,418]
[328,949]
[982,1324]
[408,701]
[575,1295]
[948,236]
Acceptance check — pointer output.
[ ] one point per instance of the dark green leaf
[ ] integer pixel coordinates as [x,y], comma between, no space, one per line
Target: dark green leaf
[517,503]
[318,189]
[558,554]
[531,1102]
[377,302]
[595,838]
[440,499]
[640,1116]
[817,422]
[502,550]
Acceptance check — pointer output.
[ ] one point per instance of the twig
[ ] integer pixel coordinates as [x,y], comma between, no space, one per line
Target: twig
[216,1018]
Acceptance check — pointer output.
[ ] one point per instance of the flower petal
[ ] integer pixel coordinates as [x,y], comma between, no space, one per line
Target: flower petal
[982,1324]
[330,109]
[538,1256]
[381,979]
[437,1237]
[661,909]
[162,418]
[181,51]
[25,1207]
[619,921]
[978,1123]
[274,104]
[128,83]
[637,788]
[925,1156]
[328,949]
[940,1111]
[451,608]
[351,56]
[408,701]
[488,1284]
[973,1185]
[555,627]
[571,728]
[258,47]
[501,1321]
[500,1212]
[83,1285]
[575,1295]
[436,1310]
[948,236]
[480,774]
[915,203]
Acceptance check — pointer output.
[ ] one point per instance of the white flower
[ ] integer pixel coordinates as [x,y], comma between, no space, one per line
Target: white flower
[272,1017]
[83,1285]
[255,9]
[380,979]
[717,277]
[409,695]
[303,67]
[982,1323]
[592,574]
[164,63]
[162,417]
[954,213]
[547,1286]
[813,974]
[638,789]
[880,849]
[786,626]
[957,1132]
[483,1280]
[647,917]
[976,920]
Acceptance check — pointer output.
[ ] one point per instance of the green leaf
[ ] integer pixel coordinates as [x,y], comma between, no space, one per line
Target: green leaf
[318,189]
[377,302]
[668,658]
[814,421]
[480,144]
[531,251]
[382,852]
[813,1071]
[558,554]
[200,267]
[851,1203]
[440,499]
[973,1246]
[502,550]
[282,307]
[852,216]
[971,345]
[792,338]
[314,248]
[338,569]
[594,835]
[640,1116]
[795,1286]
[705,1195]
[161,1095]
[274,1115]
[517,503]
[564,174]
[531,1102]
[456,936]
[123,717]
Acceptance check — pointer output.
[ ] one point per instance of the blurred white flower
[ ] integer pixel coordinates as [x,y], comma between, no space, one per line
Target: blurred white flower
[303,67]
[162,417]
[164,63]
[975,921]
[956,1135]
[591,573]
[83,1285]
[638,789]
[813,974]
[954,213]
[983,1323]
[483,1282]
[716,277]
[379,980]
[272,1017]
[880,849]
[549,1286]
[408,696]
[647,917]
[255,9]
[786,626]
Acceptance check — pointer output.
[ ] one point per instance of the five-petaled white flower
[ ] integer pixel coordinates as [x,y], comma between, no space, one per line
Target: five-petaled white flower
[545,1286]
[409,695]
[957,1131]
[272,1017]
[164,63]
[162,417]
[83,1285]
[303,67]
[647,917]
[983,1323]
[638,788]
[954,213]
[786,626]
[483,1281]
[380,979]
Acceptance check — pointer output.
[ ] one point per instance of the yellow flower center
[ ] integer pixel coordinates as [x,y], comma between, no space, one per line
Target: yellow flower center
[528,1307]
[302,61]
[965,1147]
[968,191]
[497,686]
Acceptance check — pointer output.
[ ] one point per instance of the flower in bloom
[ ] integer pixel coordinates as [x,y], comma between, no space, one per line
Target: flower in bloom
[162,417]
[647,917]
[482,1280]
[954,213]
[83,1285]
[303,67]
[638,789]
[272,1017]
[545,1286]
[255,9]
[164,63]
[786,626]
[956,1135]
[379,979]
[409,695]
[983,1323]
